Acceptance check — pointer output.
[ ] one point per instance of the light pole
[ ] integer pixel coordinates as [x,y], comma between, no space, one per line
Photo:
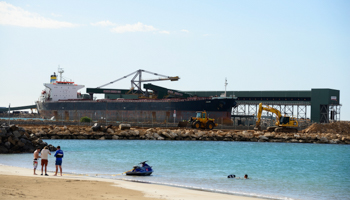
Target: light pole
[8,114]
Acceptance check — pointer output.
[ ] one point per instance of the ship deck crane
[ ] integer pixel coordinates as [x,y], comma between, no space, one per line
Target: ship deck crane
[137,83]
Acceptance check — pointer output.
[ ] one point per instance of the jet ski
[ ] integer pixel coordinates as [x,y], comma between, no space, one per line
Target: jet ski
[143,170]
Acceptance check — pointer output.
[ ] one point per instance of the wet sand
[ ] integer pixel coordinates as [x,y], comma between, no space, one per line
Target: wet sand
[20,183]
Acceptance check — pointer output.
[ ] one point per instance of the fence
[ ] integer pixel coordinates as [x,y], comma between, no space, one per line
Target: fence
[237,124]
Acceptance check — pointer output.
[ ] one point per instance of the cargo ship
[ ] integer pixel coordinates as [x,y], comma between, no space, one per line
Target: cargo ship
[61,100]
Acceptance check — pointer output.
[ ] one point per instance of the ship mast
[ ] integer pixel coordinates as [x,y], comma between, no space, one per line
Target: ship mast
[60,71]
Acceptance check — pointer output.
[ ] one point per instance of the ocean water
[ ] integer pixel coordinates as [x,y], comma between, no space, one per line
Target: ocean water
[276,170]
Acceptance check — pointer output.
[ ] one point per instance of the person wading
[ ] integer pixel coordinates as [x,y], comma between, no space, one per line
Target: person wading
[44,159]
[36,157]
[59,156]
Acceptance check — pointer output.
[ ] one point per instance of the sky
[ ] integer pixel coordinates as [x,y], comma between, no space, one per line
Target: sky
[257,45]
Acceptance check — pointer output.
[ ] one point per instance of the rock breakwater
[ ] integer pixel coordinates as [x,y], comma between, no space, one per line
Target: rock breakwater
[115,133]
[14,139]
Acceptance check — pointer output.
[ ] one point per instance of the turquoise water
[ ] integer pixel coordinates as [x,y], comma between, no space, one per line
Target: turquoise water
[276,170]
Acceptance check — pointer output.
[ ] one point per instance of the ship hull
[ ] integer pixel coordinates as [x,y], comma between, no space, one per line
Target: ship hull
[146,111]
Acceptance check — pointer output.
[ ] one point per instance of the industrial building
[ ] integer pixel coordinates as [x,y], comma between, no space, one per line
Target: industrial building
[318,105]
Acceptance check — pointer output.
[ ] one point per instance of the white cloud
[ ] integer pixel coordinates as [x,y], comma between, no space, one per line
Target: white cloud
[56,15]
[138,27]
[184,30]
[164,32]
[16,16]
[103,23]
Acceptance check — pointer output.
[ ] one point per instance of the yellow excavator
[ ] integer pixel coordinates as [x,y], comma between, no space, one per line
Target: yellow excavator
[283,123]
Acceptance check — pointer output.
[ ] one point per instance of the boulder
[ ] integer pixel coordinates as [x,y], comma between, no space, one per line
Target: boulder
[324,140]
[3,132]
[297,136]
[24,140]
[172,134]
[124,126]
[155,135]
[13,127]
[3,149]
[115,137]
[103,129]
[12,140]
[16,134]
[134,132]
[247,134]
[270,134]
[110,131]
[263,138]
[7,145]
[20,144]
[165,134]
[335,141]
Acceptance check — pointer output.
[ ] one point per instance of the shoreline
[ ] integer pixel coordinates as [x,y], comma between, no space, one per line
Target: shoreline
[122,189]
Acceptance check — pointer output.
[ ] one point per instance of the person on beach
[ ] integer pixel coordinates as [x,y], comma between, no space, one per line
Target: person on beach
[246,176]
[44,159]
[36,157]
[59,156]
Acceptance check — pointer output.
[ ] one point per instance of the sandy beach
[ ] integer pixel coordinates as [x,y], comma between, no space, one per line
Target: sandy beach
[20,183]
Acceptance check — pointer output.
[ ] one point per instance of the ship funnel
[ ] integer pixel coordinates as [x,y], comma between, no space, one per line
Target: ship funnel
[53,78]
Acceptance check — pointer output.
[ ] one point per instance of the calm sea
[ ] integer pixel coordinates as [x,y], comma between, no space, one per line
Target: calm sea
[276,170]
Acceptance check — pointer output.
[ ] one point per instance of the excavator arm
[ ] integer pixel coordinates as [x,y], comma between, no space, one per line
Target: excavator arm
[268,109]
[257,124]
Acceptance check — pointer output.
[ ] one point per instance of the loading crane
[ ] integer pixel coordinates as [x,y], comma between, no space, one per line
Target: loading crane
[136,84]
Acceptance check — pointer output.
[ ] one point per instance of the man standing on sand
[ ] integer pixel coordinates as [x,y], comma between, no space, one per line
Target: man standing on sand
[44,159]
[59,156]
[36,157]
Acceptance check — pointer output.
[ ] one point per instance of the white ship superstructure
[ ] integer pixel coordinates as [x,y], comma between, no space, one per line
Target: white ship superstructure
[60,90]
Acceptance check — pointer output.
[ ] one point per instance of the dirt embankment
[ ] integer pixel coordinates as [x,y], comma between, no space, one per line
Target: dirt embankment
[342,128]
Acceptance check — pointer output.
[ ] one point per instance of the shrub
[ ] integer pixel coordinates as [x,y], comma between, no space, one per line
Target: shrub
[85,119]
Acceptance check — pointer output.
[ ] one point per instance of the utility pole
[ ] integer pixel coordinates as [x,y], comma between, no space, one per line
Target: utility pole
[8,114]
[225,85]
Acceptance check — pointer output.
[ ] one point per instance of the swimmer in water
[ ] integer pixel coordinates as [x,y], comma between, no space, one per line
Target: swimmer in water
[231,176]
[246,176]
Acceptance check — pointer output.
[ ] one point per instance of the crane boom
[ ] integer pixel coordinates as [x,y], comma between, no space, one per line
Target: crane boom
[137,83]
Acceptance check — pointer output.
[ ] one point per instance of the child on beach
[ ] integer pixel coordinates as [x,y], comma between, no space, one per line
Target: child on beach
[36,157]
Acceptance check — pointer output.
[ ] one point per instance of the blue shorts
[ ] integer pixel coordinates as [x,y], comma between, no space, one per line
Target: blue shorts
[58,162]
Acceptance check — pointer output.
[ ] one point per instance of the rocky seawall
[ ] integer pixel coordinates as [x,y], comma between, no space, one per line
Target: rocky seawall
[14,139]
[308,135]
